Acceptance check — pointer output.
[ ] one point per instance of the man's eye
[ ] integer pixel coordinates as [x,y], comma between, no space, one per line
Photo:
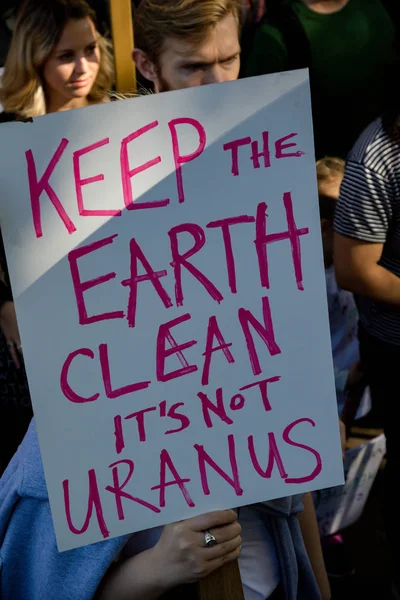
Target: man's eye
[229,61]
[193,68]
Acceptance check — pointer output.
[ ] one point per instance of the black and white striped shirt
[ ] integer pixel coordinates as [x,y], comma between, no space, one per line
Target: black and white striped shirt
[369,210]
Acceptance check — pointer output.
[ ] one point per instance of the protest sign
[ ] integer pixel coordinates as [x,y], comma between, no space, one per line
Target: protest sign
[340,507]
[166,263]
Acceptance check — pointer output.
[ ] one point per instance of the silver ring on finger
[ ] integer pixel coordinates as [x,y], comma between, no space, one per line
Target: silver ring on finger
[209,539]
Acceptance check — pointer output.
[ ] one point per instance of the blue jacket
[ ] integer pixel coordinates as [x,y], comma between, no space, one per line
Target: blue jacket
[31,568]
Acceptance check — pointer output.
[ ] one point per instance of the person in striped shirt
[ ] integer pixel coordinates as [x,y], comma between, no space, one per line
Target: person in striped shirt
[352,397]
[367,263]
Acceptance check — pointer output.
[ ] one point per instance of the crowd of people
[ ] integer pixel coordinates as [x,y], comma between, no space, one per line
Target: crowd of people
[59,61]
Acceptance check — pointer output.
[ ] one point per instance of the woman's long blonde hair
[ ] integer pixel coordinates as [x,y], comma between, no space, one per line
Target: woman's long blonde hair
[39,26]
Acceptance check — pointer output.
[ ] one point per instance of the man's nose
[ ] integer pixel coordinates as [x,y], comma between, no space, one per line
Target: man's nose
[214,75]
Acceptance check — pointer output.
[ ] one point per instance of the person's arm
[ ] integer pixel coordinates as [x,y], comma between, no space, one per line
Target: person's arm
[5,290]
[312,542]
[136,577]
[343,439]
[364,216]
[357,270]
[355,388]
[8,318]
[180,557]
[9,327]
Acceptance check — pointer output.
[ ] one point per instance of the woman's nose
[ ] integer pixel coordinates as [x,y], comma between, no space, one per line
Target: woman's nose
[81,66]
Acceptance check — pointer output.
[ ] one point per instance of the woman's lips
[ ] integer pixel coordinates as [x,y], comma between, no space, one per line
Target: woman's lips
[80,83]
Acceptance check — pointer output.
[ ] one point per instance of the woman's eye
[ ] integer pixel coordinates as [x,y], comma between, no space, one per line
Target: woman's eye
[91,49]
[66,56]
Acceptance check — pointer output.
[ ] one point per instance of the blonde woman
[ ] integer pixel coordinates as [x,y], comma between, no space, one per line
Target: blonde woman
[57,61]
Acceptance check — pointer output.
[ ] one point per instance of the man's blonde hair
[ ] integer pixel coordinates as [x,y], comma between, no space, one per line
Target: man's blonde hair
[328,167]
[185,20]
[39,26]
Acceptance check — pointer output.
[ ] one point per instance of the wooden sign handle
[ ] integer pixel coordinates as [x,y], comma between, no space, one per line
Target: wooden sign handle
[224,584]
[122,33]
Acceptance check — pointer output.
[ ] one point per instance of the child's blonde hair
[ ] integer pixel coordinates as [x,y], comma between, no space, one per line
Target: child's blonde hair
[328,167]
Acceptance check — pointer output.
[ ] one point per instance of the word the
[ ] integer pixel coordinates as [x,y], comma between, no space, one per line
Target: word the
[264,154]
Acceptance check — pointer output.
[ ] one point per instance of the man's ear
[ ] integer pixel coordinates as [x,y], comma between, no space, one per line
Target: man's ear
[144,65]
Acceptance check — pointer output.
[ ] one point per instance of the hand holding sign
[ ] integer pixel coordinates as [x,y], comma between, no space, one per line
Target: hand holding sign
[179,558]
[181,554]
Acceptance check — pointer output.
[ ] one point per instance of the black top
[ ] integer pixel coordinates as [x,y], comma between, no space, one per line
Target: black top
[5,289]
[15,403]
